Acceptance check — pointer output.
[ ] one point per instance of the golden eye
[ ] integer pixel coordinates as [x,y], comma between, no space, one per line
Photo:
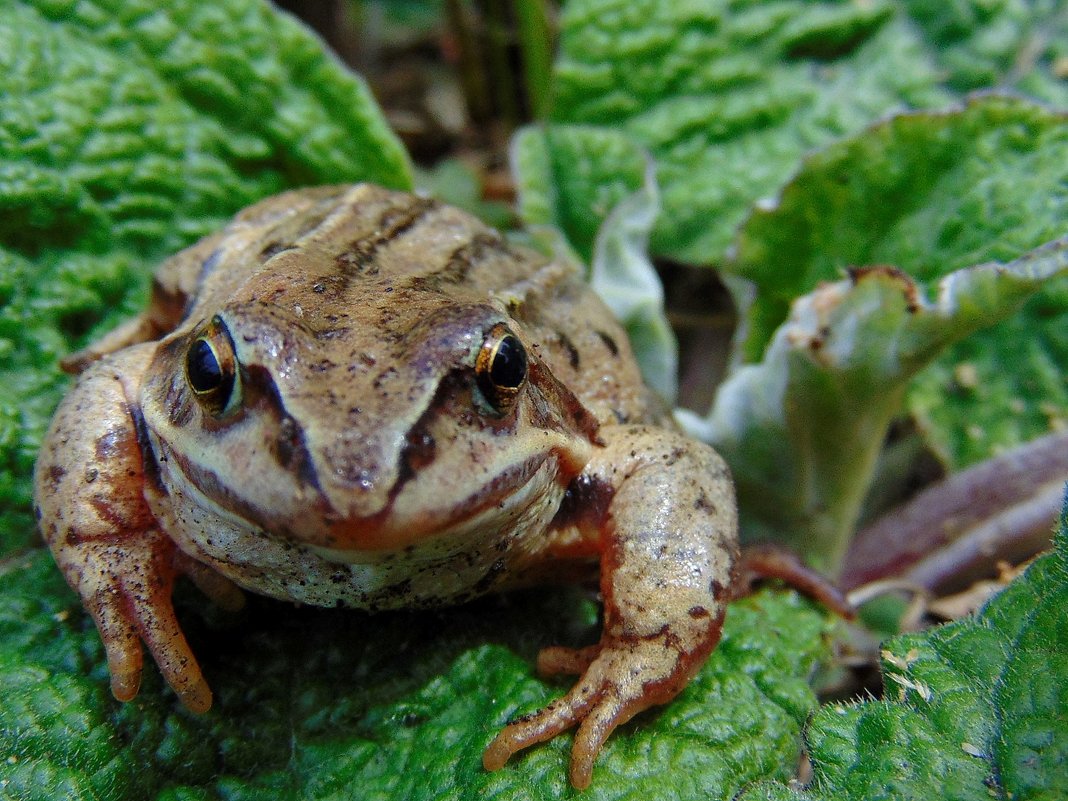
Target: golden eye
[501,368]
[211,370]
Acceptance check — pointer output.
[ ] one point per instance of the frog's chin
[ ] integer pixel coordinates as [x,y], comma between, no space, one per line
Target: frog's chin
[523,497]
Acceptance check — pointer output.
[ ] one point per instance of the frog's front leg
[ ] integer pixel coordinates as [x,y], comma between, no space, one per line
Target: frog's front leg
[668,539]
[89,496]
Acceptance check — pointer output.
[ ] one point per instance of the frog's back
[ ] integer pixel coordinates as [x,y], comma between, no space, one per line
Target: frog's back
[339,251]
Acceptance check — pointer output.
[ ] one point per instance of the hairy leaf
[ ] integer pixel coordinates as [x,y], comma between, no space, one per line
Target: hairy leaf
[974,709]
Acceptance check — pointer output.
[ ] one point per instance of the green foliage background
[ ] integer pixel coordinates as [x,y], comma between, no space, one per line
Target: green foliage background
[130,129]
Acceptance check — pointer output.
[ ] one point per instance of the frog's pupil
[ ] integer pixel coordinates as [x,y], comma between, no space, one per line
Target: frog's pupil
[205,374]
[509,366]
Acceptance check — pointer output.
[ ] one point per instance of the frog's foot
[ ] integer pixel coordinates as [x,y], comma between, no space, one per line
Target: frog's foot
[620,678]
[127,589]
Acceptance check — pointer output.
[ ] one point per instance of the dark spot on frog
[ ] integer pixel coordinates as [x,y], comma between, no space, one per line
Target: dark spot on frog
[419,448]
[292,452]
[332,333]
[55,475]
[358,259]
[698,612]
[703,504]
[399,590]
[609,343]
[290,447]
[273,249]
[673,456]
[457,267]
[330,286]
[569,347]
[112,443]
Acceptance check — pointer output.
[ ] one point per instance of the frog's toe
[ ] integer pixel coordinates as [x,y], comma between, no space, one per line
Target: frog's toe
[557,717]
[597,704]
[163,635]
[122,644]
[558,660]
[621,679]
[128,593]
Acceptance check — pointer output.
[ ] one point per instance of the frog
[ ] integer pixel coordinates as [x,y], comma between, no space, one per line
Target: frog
[362,397]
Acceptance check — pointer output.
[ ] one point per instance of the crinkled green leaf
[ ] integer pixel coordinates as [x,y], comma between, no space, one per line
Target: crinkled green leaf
[573,176]
[802,429]
[929,194]
[317,704]
[127,131]
[974,709]
[1005,43]
[726,96]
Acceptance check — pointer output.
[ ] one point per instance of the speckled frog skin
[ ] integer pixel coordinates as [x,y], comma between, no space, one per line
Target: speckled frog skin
[352,396]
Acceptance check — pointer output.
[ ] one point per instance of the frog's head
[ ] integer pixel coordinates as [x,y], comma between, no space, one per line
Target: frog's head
[399,415]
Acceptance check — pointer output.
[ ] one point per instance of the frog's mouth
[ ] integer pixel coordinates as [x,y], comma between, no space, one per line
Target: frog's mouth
[518,496]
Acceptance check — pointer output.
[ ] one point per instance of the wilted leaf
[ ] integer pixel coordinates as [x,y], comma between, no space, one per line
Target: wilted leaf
[623,276]
[801,429]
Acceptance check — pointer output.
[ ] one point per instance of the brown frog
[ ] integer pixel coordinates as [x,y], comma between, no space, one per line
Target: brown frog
[353,396]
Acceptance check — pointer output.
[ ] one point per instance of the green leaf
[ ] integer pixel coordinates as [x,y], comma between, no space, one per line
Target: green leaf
[929,194]
[974,709]
[726,97]
[315,703]
[127,131]
[1006,43]
[729,96]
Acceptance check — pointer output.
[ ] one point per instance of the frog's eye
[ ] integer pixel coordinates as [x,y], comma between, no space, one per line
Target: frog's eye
[211,370]
[501,368]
